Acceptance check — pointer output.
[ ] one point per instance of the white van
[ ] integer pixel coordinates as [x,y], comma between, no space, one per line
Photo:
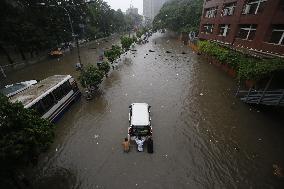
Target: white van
[139,121]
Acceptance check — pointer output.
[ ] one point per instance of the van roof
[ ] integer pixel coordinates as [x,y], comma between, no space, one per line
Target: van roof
[140,114]
[39,90]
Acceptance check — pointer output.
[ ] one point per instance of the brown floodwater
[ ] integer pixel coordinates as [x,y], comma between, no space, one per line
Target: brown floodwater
[203,136]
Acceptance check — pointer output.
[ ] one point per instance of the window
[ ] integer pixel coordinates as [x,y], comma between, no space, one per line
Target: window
[208,28]
[58,93]
[277,36]
[254,6]
[224,30]
[211,12]
[228,9]
[66,88]
[38,108]
[247,32]
[48,101]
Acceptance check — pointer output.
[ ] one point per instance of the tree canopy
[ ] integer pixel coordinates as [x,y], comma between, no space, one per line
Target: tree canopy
[23,134]
[113,53]
[35,25]
[91,77]
[179,16]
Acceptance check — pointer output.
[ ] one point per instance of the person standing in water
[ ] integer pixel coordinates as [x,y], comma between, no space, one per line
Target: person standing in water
[126,145]
[139,141]
[150,149]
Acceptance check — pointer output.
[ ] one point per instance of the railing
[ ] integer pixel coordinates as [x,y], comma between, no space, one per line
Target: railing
[272,98]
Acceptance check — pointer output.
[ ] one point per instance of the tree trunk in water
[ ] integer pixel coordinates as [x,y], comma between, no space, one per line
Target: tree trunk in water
[6,54]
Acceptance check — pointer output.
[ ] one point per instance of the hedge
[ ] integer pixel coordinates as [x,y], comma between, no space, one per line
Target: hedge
[248,67]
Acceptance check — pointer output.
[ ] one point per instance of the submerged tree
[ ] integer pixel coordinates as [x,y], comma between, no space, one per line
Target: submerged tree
[91,77]
[126,42]
[105,67]
[114,53]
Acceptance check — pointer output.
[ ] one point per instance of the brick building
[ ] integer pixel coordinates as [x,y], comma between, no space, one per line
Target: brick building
[256,25]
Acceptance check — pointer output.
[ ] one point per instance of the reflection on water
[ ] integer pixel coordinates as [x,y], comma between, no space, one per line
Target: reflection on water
[203,136]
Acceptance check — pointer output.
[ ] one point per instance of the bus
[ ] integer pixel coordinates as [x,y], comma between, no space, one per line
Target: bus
[50,97]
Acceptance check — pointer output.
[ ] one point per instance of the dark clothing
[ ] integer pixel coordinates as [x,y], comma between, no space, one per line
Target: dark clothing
[150,146]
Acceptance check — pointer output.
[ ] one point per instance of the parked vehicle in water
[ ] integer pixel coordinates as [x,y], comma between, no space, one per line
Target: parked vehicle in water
[13,89]
[139,121]
[56,53]
[50,97]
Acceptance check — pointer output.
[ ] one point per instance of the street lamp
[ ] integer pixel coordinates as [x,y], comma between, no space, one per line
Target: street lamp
[71,26]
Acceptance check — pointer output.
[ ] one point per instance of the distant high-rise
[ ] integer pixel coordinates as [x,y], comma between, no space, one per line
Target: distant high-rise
[152,7]
[132,10]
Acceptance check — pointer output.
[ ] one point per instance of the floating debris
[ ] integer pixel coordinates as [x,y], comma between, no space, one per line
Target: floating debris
[151,50]
[183,52]
[133,50]
[168,52]
[201,94]
[96,136]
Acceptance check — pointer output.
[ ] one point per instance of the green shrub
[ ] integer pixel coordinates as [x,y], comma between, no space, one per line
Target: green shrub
[248,67]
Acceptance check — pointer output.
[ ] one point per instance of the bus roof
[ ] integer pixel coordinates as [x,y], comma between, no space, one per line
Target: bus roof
[140,114]
[36,92]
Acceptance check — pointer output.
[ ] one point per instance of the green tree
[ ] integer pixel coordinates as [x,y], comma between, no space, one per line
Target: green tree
[91,77]
[126,42]
[105,67]
[179,16]
[113,53]
[23,135]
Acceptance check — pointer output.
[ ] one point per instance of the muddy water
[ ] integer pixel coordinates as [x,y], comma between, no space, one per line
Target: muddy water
[203,136]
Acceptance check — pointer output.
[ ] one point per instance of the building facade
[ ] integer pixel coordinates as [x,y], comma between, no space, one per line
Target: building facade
[256,25]
[151,8]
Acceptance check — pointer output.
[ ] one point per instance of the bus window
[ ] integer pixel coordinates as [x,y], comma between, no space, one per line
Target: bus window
[58,93]
[38,108]
[48,101]
[66,87]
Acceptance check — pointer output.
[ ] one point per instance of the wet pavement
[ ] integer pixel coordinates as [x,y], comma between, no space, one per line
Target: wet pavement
[203,136]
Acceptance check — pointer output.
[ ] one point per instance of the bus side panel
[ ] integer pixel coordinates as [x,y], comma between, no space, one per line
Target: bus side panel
[56,116]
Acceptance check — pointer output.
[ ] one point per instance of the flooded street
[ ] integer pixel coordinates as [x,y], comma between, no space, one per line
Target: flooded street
[203,136]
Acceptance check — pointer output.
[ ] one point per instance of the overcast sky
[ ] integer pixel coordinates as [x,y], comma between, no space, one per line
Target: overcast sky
[125,4]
